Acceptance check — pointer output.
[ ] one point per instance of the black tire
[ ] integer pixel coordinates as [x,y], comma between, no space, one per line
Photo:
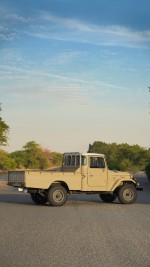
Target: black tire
[57,195]
[39,199]
[127,194]
[108,198]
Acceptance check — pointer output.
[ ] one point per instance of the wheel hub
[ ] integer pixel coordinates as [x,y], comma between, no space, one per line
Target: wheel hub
[58,195]
[128,194]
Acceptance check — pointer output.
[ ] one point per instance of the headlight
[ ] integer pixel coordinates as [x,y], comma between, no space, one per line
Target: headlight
[133,178]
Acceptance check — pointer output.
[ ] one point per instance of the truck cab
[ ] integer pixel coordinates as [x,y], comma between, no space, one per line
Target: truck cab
[91,166]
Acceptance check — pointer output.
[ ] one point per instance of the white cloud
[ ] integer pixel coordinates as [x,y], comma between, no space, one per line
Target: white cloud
[8,36]
[69,23]
[15,17]
[48,26]
[42,86]
[12,24]
[119,33]
[66,79]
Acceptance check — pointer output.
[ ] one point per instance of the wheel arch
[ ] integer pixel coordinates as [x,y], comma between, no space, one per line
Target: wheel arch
[59,182]
[120,183]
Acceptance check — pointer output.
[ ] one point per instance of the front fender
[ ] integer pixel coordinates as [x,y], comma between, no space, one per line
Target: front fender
[119,183]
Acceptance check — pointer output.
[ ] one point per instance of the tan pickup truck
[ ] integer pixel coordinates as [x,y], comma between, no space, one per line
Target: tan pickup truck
[79,173]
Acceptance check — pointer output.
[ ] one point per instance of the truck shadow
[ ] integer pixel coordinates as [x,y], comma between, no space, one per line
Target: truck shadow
[141,199]
[80,200]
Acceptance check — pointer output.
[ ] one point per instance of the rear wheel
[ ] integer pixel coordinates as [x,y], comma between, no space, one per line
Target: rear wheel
[127,194]
[57,195]
[107,197]
[39,199]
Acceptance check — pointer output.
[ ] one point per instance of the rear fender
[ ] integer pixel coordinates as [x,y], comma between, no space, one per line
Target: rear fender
[62,183]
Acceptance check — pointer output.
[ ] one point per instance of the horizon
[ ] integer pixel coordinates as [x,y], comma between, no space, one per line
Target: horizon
[86,150]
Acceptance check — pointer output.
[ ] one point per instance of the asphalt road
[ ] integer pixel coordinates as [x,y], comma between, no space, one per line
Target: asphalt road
[84,232]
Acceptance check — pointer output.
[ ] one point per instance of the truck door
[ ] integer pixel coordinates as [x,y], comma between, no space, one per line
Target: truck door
[97,174]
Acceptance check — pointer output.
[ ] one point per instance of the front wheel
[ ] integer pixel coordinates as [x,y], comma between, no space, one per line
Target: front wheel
[108,198]
[127,194]
[39,199]
[57,195]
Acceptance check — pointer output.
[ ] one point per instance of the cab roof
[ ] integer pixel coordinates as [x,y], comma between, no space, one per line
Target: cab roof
[84,154]
[92,154]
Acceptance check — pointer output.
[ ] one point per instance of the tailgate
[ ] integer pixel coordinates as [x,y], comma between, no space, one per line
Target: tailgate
[16,178]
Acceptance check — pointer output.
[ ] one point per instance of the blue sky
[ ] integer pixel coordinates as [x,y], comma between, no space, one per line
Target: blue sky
[73,72]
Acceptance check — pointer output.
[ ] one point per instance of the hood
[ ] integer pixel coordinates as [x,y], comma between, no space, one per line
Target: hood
[120,174]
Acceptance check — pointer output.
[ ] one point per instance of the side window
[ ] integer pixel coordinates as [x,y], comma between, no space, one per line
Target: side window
[68,160]
[101,163]
[97,162]
[73,161]
[77,160]
[83,160]
[64,160]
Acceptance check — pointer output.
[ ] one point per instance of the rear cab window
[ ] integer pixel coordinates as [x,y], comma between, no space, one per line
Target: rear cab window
[71,160]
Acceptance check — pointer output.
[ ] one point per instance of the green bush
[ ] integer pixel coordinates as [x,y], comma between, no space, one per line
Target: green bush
[35,157]
[6,162]
[147,170]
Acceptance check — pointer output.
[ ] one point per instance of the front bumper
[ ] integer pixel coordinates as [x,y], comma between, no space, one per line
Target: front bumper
[137,185]
[138,188]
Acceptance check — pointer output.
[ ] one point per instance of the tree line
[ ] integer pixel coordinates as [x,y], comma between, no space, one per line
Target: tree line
[122,157]
[32,156]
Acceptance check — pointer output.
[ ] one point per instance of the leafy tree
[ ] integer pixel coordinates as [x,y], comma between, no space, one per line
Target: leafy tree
[6,162]
[32,146]
[56,158]
[4,128]
[126,164]
[20,158]
[33,156]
